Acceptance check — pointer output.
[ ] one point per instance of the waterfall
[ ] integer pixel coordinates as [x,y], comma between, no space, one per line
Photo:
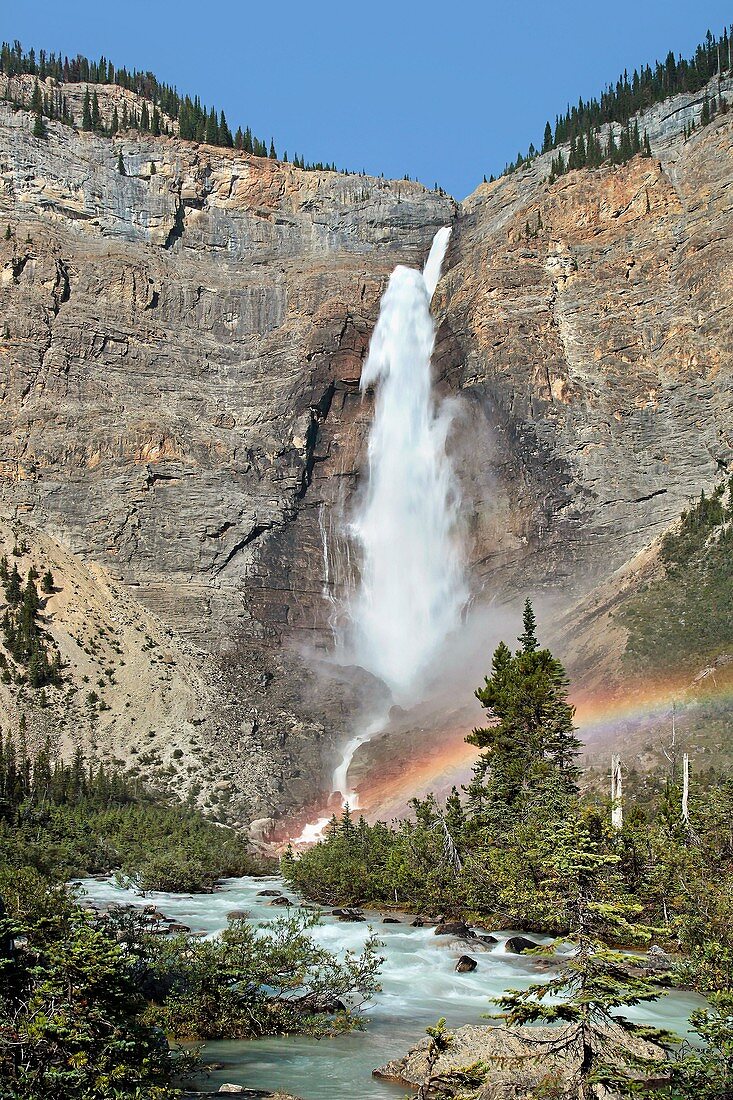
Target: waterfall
[412,586]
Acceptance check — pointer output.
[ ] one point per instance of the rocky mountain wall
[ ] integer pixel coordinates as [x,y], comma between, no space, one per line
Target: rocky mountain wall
[587,326]
[180,352]
[172,341]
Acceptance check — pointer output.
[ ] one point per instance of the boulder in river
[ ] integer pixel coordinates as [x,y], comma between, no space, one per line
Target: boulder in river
[237,914]
[487,939]
[454,928]
[465,965]
[391,920]
[280,900]
[348,914]
[268,893]
[517,945]
[658,959]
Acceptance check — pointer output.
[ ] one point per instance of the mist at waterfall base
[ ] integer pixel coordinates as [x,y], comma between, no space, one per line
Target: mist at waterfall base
[403,617]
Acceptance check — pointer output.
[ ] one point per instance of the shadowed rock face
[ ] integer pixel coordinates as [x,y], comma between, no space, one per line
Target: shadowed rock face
[180,354]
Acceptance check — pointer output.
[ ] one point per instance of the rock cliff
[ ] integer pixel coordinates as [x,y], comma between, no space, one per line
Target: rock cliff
[587,324]
[180,354]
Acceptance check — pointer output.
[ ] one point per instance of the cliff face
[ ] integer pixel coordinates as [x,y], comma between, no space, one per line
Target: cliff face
[173,339]
[588,325]
[180,354]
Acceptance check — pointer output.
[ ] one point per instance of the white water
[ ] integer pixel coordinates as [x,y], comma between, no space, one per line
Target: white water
[412,587]
[341,774]
[313,831]
[419,985]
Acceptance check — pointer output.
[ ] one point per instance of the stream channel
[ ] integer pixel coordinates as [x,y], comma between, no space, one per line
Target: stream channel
[419,985]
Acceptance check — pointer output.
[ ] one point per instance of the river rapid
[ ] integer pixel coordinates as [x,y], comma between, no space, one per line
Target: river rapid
[419,985]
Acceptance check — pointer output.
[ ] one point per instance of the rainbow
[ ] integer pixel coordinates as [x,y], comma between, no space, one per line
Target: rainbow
[444,759]
[447,759]
[643,701]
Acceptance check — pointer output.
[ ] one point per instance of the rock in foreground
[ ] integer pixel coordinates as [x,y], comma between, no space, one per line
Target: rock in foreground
[516,1060]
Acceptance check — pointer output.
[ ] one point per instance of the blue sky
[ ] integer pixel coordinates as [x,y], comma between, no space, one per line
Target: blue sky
[442,92]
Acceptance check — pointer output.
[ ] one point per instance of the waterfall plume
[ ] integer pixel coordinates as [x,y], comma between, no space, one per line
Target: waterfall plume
[411,588]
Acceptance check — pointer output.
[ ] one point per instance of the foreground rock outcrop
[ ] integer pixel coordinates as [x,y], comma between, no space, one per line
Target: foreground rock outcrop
[497,1063]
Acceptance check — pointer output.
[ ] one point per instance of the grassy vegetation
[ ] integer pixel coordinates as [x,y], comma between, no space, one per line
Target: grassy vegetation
[684,618]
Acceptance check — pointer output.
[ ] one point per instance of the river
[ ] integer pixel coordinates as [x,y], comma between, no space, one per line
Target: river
[419,985]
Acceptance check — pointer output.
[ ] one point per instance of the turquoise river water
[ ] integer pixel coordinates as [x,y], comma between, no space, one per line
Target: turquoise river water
[419,985]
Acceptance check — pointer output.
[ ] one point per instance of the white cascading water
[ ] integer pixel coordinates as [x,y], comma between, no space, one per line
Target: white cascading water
[412,586]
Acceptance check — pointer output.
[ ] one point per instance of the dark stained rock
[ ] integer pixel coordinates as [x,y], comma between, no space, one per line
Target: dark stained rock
[517,945]
[465,964]
[487,939]
[454,928]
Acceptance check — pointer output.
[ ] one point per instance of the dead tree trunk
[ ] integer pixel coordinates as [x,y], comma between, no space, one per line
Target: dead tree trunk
[685,788]
[617,810]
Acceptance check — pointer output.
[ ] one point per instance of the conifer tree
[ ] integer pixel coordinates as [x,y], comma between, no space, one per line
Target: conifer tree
[121,164]
[96,116]
[13,591]
[86,117]
[39,127]
[224,136]
[212,129]
[594,981]
[532,740]
[611,148]
[528,639]
[37,99]
[705,115]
